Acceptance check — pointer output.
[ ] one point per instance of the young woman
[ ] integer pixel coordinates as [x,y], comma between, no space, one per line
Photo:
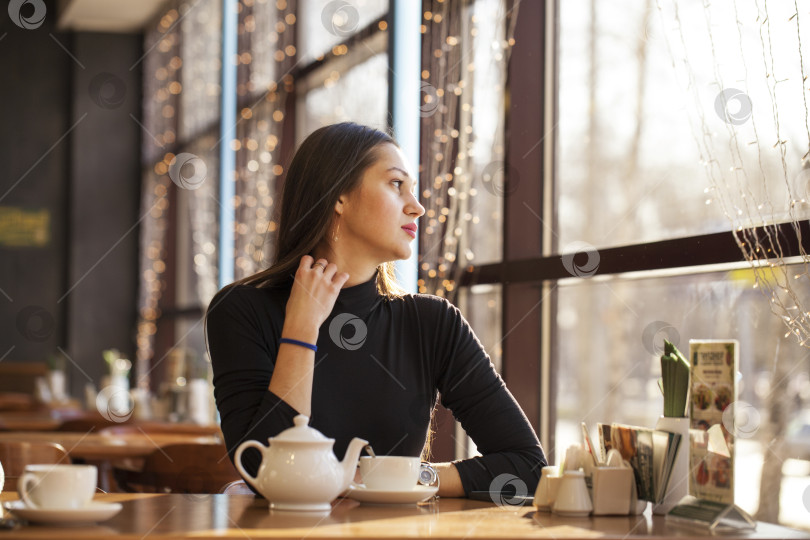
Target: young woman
[326,331]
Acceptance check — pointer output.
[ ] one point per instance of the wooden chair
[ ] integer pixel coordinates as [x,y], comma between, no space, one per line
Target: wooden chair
[21,376]
[14,456]
[18,401]
[181,468]
[113,470]
[93,422]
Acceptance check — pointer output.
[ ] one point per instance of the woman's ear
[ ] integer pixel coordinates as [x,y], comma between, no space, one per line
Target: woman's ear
[339,205]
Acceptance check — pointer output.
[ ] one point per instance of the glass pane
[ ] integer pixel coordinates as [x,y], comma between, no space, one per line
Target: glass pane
[486,130]
[161,82]
[481,306]
[325,23]
[359,94]
[260,39]
[200,74]
[672,122]
[610,334]
[197,233]
[257,171]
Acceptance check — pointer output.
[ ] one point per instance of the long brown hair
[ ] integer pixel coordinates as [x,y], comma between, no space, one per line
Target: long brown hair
[330,162]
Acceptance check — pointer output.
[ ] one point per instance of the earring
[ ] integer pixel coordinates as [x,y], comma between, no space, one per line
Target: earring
[337,229]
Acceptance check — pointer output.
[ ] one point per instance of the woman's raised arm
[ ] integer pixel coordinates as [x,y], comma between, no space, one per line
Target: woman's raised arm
[312,298]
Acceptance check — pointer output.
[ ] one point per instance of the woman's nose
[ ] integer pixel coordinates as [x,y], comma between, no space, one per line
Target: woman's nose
[414,207]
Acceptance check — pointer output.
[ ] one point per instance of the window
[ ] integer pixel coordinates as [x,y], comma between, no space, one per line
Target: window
[646,150]
[668,128]
[181,77]
[631,236]
[465,50]
[299,67]
[327,23]
[358,94]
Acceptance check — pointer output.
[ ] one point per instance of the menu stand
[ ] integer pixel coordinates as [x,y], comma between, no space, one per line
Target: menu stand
[715,516]
[714,391]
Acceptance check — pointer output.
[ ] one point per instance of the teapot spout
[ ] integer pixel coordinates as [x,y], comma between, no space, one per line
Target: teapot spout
[349,462]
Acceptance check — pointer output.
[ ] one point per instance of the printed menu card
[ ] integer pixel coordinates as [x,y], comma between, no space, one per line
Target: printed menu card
[713,389]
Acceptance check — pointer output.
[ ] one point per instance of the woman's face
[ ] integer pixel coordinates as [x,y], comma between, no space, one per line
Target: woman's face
[373,214]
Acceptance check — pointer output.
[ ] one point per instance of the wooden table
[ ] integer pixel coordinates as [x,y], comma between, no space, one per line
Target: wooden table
[52,419]
[29,421]
[42,418]
[16,401]
[243,516]
[98,446]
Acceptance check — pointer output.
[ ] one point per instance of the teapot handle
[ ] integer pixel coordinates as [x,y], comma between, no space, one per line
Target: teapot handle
[237,459]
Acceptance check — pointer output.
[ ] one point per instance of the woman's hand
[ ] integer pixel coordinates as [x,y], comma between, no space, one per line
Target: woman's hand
[313,294]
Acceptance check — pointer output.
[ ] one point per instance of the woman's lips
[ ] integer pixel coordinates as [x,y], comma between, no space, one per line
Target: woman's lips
[410,228]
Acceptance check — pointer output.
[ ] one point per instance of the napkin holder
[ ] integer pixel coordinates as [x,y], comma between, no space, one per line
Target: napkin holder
[612,487]
[612,491]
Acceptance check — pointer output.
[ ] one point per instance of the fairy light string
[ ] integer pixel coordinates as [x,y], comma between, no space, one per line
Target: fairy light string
[161,67]
[466,48]
[775,275]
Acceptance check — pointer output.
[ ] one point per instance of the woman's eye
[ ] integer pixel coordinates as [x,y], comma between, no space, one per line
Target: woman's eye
[400,182]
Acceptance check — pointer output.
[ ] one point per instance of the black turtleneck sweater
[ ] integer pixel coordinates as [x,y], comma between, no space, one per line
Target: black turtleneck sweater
[378,368]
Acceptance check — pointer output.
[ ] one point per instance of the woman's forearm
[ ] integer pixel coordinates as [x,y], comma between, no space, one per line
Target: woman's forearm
[449,480]
[294,367]
[312,297]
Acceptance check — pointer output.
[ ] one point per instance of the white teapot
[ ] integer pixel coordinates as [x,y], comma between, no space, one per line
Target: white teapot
[299,471]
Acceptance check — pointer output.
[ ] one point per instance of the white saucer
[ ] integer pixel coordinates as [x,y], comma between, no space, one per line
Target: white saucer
[380,496]
[95,511]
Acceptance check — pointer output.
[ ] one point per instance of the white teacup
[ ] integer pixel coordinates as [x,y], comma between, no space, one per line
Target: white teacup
[391,473]
[57,487]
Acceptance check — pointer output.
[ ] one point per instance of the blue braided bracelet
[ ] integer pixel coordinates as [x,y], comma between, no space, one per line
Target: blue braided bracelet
[301,343]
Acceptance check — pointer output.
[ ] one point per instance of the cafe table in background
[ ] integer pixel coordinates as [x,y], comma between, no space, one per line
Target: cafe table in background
[108,446]
[22,411]
[163,516]
[29,421]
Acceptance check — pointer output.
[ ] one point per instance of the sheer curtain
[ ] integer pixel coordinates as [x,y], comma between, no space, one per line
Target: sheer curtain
[179,206]
[267,55]
[161,80]
[465,50]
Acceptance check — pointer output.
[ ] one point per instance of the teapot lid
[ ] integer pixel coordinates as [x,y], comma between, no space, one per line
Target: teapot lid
[301,432]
